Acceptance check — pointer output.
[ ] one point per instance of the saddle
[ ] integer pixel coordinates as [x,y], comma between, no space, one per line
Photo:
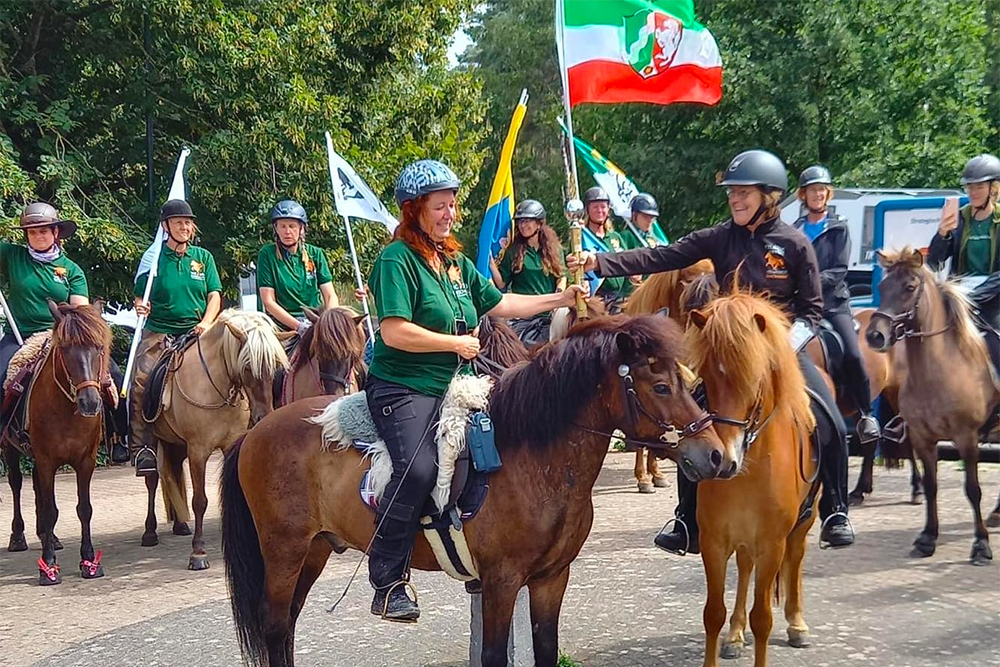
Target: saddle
[156,383]
[833,348]
[17,387]
[532,331]
[460,491]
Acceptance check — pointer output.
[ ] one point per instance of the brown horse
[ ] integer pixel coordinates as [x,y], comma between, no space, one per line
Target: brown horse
[739,346]
[327,360]
[66,412]
[948,392]
[222,385]
[281,522]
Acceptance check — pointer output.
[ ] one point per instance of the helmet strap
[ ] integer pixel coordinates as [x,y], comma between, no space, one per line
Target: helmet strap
[756,216]
[817,211]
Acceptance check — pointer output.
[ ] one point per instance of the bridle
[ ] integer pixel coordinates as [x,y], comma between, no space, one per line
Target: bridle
[104,377]
[906,324]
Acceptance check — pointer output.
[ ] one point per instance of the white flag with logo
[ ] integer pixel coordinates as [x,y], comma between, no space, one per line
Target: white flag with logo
[353,197]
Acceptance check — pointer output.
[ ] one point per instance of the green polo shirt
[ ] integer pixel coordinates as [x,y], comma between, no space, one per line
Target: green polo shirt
[651,239]
[979,247]
[180,289]
[531,279]
[403,285]
[295,281]
[31,283]
[620,286]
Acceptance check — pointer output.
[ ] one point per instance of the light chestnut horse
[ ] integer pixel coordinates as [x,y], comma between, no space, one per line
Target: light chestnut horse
[222,386]
[739,346]
[948,392]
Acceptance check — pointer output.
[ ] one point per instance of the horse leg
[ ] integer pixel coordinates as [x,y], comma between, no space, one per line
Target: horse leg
[57,545]
[499,596]
[732,646]
[290,571]
[968,446]
[90,568]
[864,485]
[761,616]
[916,486]
[791,579]
[994,519]
[16,480]
[653,465]
[642,477]
[926,542]
[175,490]
[48,515]
[714,558]
[199,502]
[319,553]
[149,537]
[546,597]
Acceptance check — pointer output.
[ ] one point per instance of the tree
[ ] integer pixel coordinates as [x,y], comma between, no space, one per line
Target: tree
[250,86]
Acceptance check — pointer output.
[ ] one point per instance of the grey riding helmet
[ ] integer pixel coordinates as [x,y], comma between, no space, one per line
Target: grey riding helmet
[756,167]
[424,177]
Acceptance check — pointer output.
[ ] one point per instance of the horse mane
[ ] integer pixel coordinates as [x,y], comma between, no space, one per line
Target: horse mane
[499,342]
[261,353]
[697,294]
[743,344]
[531,404]
[81,326]
[334,337]
[663,290]
[957,307]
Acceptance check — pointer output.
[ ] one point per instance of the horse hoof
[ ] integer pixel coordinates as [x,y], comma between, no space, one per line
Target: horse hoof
[981,553]
[181,529]
[150,540]
[917,498]
[57,543]
[798,639]
[198,562]
[47,579]
[923,546]
[993,520]
[646,487]
[89,573]
[17,543]
[731,651]
[660,482]
[855,498]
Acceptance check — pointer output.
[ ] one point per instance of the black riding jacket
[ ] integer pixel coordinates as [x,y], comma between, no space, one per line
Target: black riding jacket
[833,252]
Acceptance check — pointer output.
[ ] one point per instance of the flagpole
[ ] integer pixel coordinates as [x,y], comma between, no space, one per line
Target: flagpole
[176,192]
[574,192]
[10,320]
[350,240]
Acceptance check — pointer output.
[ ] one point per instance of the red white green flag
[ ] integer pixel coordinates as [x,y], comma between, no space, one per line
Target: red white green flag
[637,51]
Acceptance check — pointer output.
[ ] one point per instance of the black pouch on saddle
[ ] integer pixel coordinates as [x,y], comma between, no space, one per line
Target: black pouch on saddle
[152,400]
[482,444]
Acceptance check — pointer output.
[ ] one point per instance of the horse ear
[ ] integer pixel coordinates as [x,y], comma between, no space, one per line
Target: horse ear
[699,318]
[98,306]
[664,312]
[916,258]
[761,322]
[54,309]
[310,314]
[626,346]
[284,335]
[883,261]
[358,319]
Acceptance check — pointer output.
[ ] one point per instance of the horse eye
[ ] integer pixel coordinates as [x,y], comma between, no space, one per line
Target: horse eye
[911,287]
[662,388]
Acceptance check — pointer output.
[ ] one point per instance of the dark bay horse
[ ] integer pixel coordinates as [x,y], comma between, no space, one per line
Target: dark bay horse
[222,386]
[948,392]
[328,358]
[66,412]
[554,415]
[739,346]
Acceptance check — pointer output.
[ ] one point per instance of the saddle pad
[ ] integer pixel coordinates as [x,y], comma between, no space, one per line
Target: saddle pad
[28,355]
[156,383]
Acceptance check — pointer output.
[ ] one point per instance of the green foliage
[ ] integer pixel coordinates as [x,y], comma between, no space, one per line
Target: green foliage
[888,93]
[566,661]
[250,86]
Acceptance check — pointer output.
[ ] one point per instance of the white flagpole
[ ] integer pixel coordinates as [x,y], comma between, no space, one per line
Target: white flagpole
[350,238]
[564,75]
[176,192]
[10,320]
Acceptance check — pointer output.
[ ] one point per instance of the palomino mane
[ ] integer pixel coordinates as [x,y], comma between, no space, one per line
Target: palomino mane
[663,290]
[697,294]
[261,354]
[81,326]
[744,345]
[536,401]
[334,337]
[957,307]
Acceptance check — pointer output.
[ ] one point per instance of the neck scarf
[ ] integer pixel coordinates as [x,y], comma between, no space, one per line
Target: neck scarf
[46,257]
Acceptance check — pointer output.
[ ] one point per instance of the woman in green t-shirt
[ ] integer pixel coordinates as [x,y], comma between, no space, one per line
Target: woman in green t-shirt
[532,264]
[291,274]
[429,298]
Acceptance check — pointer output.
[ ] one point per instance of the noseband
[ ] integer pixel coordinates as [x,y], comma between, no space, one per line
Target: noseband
[104,378]
[906,324]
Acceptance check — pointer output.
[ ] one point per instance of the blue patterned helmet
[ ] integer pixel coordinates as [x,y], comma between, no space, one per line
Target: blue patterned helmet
[423,177]
[289,208]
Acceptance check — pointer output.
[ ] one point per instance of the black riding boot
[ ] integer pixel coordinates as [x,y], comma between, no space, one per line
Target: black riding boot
[836,530]
[388,566]
[683,536]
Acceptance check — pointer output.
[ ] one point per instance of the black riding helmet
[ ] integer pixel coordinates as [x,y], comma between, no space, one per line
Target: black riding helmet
[815,174]
[644,203]
[757,167]
[529,209]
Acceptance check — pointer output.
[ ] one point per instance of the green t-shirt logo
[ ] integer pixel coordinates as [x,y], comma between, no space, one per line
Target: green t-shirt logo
[457,284]
[61,274]
[197,270]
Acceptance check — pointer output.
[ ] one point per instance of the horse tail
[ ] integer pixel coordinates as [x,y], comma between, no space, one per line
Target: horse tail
[174,483]
[244,562]
[783,581]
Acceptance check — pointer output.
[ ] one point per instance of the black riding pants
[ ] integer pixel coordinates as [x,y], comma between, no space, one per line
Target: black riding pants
[855,376]
[407,422]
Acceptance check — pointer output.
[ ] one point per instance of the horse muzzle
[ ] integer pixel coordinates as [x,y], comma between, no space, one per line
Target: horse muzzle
[701,458]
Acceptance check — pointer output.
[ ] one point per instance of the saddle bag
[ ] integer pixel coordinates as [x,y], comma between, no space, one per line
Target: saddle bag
[482,443]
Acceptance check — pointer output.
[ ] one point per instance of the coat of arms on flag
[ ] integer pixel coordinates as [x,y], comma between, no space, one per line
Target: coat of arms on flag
[651,41]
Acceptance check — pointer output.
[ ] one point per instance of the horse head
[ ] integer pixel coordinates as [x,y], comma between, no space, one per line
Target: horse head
[902,293]
[336,341]
[81,341]
[253,354]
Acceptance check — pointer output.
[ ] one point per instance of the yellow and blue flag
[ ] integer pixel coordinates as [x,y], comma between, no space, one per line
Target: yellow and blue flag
[498,223]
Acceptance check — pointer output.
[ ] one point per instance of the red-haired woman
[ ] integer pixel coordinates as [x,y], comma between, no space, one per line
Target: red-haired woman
[429,298]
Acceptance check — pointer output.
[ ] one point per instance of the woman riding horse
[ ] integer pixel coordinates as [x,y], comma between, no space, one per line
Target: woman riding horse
[186,298]
[831,239]
[37,273]
[292,274]
[532,264]
[428,293]
[599,235]
[755,249]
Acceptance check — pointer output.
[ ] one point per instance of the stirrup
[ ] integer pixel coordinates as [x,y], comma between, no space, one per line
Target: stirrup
[687,535]
[388,593]
[826,521]
[895,430]
[878,430]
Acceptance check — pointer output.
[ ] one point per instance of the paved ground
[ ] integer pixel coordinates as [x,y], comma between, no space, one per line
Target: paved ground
[628,604]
